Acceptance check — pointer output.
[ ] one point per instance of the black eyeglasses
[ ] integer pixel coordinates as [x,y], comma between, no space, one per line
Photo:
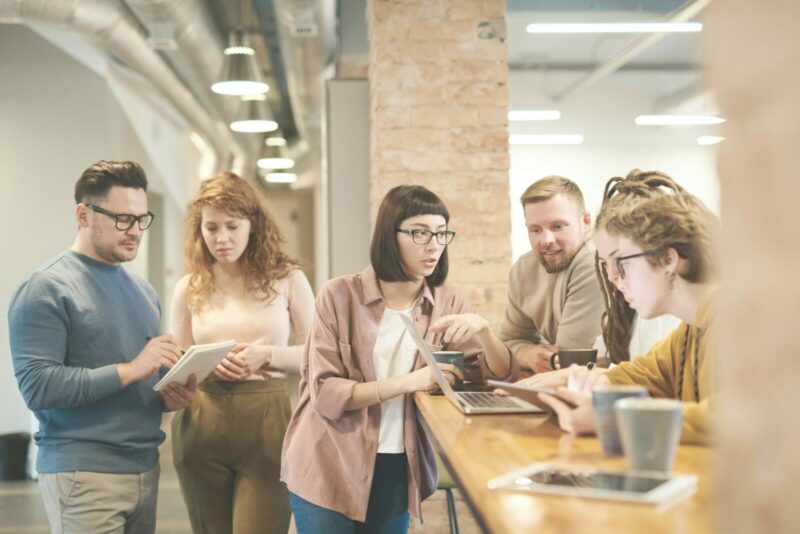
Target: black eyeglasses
[618,262]
[423,237]
[125,221]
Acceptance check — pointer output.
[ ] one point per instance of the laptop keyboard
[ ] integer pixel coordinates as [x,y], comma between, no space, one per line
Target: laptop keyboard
[484,399]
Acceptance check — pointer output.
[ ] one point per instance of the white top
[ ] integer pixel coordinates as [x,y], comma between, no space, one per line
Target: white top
[393,355]
[646,332]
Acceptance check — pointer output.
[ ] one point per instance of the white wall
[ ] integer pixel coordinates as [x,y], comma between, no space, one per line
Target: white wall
[57,117]
[613,144]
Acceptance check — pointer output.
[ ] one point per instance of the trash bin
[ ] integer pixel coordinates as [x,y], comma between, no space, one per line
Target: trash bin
[14,455]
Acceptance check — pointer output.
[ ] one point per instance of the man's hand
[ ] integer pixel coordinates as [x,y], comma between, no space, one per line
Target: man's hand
[460,327]
[176,396]
[243,360]
[161,351]
[536,357]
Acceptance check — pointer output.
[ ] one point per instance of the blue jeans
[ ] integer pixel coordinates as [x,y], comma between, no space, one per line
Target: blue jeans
[387,511]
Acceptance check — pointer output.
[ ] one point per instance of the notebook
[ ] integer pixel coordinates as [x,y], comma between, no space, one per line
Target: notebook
[470,402]
[200,360]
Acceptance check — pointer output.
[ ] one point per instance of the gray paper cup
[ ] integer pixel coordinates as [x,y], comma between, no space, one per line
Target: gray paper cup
[454,357]
[603,399]
[650,430]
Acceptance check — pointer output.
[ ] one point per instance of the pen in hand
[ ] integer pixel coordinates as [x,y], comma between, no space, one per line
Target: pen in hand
[149,338]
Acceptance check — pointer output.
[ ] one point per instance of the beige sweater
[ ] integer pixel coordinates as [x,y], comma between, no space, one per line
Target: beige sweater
[562,309]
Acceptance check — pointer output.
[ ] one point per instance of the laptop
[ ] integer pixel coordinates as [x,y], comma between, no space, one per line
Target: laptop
[469,402]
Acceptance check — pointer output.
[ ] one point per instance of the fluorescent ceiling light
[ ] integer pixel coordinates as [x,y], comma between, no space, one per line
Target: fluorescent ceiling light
[709,139]
[534,115]
[673,120]
[545,139]
[615,27]
[280,177]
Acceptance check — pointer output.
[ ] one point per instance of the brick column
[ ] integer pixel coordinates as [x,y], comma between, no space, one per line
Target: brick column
[439,102]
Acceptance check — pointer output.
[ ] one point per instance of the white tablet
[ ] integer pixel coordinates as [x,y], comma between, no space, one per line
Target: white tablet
[198,360]
[649,487]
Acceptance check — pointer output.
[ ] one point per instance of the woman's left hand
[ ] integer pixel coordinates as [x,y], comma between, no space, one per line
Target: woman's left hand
[460,327]
[243,360]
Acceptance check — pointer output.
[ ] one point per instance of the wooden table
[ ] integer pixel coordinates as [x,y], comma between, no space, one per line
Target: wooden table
[478,448]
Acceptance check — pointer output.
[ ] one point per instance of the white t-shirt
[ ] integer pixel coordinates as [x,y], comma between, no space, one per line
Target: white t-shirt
[393,355]
[646,333]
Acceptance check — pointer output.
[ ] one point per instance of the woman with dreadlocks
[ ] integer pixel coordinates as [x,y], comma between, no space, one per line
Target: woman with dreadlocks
[657,252]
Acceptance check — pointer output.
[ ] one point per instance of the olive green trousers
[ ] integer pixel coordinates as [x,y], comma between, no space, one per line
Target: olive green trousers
[227,451]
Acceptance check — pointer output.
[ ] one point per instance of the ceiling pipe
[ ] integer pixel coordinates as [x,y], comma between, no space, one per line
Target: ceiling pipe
[112,24]
[305,33]
[636,47]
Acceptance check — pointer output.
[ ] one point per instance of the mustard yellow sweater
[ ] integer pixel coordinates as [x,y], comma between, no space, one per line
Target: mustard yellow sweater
[660,371]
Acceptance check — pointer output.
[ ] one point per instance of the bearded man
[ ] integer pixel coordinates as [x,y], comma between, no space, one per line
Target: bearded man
[554,298]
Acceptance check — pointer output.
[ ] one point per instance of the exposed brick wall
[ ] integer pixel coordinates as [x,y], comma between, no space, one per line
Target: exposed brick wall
[439,102]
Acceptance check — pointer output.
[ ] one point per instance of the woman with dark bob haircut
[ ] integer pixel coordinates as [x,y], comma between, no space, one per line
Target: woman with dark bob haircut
[355,458]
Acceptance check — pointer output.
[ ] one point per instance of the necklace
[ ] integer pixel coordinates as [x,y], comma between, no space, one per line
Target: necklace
[683,364]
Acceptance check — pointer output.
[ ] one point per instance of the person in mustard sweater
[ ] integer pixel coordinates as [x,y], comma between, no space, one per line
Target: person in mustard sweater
[659,253]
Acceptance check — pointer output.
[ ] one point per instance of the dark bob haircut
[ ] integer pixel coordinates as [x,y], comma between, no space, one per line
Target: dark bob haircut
[399,204]
[96,181]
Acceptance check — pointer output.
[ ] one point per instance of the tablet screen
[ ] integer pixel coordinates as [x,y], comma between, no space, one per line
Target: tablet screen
[592,480]
[632,486]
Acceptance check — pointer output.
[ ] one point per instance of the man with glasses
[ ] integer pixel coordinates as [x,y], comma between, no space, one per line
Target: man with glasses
[554,298]
[79,330]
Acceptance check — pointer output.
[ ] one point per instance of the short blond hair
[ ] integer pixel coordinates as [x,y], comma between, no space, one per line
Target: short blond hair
[550,186]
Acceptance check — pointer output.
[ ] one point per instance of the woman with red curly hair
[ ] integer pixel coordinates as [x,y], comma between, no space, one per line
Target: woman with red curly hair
[240,285]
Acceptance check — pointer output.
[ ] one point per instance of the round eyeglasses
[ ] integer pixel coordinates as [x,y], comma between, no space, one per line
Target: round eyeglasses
[621,266]
[125,221]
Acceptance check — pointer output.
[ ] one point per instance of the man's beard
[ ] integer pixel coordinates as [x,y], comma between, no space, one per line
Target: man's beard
[560,263]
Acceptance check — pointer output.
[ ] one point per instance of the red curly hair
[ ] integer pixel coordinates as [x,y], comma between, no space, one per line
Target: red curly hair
[263,261]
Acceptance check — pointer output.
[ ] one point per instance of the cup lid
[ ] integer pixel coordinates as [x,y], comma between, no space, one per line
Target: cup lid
[647,403]
[622,388]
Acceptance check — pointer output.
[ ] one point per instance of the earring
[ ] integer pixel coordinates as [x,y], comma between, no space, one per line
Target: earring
[671,278]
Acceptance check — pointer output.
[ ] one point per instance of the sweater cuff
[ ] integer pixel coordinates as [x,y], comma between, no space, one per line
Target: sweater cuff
[286,358]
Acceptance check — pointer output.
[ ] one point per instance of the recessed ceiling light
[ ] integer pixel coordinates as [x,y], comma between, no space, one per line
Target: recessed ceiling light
[534,115]
[677,120]
[709,139]
[545,139]
[615,27]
